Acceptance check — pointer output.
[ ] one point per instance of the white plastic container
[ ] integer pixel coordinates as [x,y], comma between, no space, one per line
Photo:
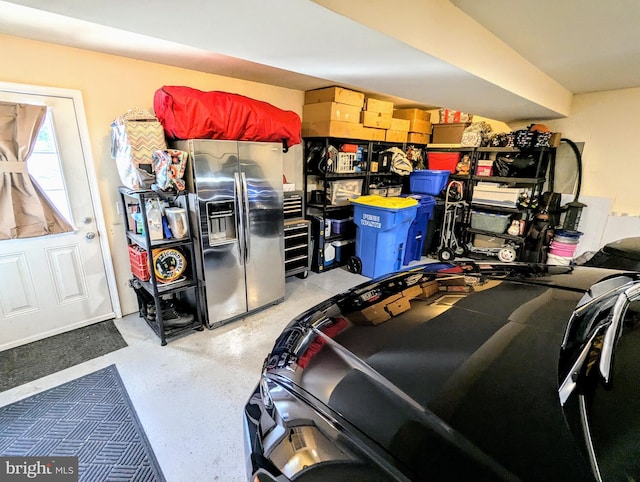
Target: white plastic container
[177,218]
[495,194]
[154,219]
[329,254]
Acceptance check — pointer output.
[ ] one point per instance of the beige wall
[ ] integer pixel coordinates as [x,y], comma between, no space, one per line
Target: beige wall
[111,85]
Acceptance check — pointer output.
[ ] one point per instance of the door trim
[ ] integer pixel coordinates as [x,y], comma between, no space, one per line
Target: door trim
[83,131]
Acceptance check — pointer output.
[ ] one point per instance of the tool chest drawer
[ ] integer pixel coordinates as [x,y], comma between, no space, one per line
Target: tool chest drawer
[296,248]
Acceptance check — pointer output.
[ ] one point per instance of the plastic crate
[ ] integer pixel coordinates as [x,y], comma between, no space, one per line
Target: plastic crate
[428,181]
[139,262]
[494,223]
[394,191]
[343,226]
[345,162]
[340,192]
[378,191]
[443,160]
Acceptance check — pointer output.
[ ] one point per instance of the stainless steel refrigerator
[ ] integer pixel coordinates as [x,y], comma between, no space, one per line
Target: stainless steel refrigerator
[237,215]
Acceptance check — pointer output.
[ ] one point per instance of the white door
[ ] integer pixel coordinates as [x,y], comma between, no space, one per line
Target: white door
[52,284]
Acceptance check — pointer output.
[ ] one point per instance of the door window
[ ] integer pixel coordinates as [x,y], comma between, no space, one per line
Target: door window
[45,167]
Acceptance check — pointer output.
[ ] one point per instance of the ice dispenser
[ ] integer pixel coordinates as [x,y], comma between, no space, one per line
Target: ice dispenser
[222,222]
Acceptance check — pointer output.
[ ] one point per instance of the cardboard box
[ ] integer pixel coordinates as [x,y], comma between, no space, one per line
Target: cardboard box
[334,94]
[448,133]
[455,285]
[418,138]
[452,281]
[448,116]
[420,126]
[396,136]
[375,119]
[484,241]
[371,316]
[412,292]
[376,105]
[347,130]
[399,124]
[376,134]
[412,114]
[554,140]
[484,167]
[429,288]
[324,111]
[398,306]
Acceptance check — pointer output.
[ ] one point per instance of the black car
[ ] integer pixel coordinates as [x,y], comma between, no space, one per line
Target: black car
[621,254]
[466,371]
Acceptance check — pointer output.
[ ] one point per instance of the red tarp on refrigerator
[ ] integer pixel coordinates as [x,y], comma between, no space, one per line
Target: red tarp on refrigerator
[188,113]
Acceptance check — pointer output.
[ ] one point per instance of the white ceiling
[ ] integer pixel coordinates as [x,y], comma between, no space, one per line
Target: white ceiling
[568,47]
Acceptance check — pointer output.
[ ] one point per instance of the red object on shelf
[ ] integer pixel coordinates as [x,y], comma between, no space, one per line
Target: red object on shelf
[187,113]
[139,262]
[443,161]
[349,148]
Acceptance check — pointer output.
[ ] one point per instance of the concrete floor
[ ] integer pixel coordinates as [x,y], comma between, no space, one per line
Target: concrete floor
[189,394]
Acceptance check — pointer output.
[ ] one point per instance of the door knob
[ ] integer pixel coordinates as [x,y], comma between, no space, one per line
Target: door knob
[90,235]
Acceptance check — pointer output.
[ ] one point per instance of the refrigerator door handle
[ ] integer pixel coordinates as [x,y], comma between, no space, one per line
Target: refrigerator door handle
[245,193]
[240,218]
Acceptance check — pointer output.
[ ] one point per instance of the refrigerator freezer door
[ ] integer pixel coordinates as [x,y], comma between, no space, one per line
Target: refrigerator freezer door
[261,173]
[217,186]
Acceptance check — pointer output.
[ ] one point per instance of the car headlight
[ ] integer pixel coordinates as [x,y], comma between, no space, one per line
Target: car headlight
[265,393]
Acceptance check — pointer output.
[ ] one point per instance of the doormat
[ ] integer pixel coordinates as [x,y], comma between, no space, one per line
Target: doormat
[29,362]
[91,418]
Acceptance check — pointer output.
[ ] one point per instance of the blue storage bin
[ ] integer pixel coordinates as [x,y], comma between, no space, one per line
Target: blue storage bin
[381,237]
[428,181]
[418,229]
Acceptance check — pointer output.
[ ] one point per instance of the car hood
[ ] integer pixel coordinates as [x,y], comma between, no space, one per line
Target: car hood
[468,358]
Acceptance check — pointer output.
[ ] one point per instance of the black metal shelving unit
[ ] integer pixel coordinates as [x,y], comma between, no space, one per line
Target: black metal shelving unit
[372,170]
[152,294]
[533,185]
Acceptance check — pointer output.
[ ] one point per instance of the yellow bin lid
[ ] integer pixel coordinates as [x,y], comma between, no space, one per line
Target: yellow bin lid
[386,202]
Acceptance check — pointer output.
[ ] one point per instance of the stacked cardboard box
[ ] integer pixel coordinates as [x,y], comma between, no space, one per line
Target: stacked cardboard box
[384,309]
[377,116]
[419,125]
[333,112]
[340,112]
[378,309]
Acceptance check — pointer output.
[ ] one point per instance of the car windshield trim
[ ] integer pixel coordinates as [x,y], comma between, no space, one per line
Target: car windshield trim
[611,326]
[586,306]
[614,329]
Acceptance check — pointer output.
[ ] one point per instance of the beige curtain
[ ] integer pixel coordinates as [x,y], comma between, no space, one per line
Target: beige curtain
[25,210]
